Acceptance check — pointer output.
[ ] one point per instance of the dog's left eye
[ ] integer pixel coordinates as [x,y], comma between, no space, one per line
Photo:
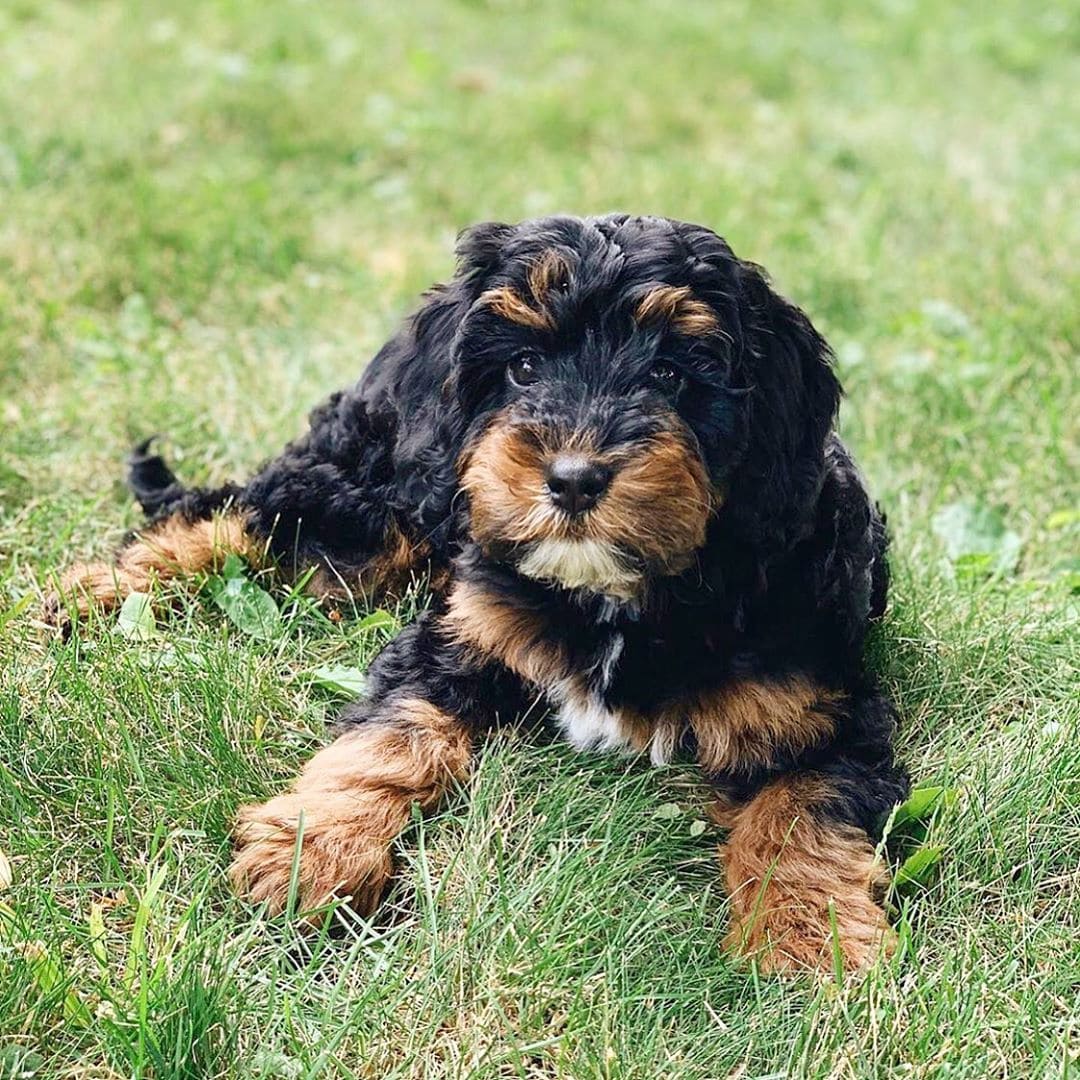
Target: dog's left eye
[665,376]
[523,370]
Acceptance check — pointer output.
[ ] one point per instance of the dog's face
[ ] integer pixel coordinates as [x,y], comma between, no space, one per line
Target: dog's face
[606,372]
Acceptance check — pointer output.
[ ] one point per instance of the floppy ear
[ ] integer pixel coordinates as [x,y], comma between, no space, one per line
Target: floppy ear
[479,247]
[793,397]
[413,389]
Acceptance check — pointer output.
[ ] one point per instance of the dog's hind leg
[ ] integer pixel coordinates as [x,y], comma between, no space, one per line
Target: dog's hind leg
[173,547]
[322,509]
[801,882]
[800,855]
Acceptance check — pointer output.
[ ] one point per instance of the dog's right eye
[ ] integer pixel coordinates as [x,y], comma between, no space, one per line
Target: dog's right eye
[523,370]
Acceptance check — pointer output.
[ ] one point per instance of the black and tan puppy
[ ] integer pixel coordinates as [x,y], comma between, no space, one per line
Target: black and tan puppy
[611,444]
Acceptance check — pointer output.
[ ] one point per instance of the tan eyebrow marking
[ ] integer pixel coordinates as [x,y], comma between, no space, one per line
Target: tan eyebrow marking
[678,305]
[549,271]
[510,305]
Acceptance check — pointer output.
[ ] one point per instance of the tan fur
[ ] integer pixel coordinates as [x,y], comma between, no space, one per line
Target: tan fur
[508,304]
[677,305]
[168,549]
[494,629]
[745,724]
[658,504]
[389,573]
[503,474]
[497,630]
[354,797]
[785,868]
[550,271]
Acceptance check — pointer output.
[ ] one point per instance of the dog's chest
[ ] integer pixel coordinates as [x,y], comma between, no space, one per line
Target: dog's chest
[588,722]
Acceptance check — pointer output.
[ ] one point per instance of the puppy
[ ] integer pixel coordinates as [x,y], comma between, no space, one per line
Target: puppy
[611,444]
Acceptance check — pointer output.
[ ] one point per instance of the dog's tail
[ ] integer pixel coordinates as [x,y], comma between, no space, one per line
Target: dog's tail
[151,481]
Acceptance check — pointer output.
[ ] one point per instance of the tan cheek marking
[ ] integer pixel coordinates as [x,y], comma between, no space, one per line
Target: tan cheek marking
[789,874]
[503,477]
[660,501]
[749,723]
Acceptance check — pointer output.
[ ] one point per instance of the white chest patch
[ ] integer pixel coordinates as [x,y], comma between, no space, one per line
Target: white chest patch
[584,720]
[587,725]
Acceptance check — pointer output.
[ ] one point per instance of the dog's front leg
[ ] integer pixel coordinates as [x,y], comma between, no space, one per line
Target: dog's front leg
[409,742]
[801,881]
[799,858]
[347,806]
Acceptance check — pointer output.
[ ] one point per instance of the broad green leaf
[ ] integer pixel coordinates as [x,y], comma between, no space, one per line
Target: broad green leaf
[47,974]
[917,870]
[247,607]
[378,620]
[136,618]
[1059,519]
[912,362]
[339,679]
[946,319]
[922,803]
[16,609]
[18,1063]
[697,827]
[1069,569]
[274,1065]
[668,812]
[976,538]
[233,567]
[974,566]
[136,320]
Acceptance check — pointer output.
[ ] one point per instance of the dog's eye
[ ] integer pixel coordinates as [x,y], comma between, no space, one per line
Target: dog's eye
[665,376]
[523,370]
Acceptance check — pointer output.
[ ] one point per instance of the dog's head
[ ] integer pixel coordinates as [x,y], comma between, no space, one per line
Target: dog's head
[624,387]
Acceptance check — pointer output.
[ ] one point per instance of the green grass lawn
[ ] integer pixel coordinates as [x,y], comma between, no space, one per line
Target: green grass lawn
[211,215]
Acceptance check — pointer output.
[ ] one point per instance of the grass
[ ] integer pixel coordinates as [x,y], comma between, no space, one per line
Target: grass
[211,214]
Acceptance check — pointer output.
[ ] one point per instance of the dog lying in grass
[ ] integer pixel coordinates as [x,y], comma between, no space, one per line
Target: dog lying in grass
[610,443]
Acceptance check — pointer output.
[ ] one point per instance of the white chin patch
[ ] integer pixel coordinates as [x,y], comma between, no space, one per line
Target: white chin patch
[580,564]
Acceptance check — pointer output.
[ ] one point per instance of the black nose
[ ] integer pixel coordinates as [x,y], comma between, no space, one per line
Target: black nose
[575,482]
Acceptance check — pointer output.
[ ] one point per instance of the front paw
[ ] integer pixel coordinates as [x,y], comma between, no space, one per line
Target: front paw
[792,936]
[344,849]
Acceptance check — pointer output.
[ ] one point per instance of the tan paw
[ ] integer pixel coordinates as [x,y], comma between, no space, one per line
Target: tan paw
[83,588]
[344,852]
[791,939]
